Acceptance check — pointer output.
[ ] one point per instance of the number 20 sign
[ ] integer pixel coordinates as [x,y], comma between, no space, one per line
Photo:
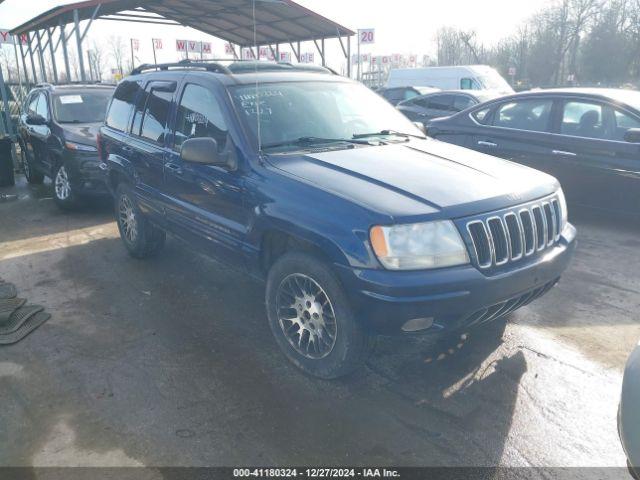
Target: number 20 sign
[367,35]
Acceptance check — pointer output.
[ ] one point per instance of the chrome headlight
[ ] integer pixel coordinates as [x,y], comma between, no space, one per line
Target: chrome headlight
[419,245]
[563,210]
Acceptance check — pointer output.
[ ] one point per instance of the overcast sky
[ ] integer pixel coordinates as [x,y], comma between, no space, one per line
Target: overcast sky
[402,26]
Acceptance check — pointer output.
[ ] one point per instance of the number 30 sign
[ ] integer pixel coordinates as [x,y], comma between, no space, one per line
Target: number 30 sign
[367,35]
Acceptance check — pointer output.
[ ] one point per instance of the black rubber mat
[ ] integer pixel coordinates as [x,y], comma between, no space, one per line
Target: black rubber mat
[7,290]
[8,306]
[18,318]
[25,329]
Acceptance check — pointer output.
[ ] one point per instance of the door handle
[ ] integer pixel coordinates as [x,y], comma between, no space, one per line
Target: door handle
[484,143]
[562,153]
[174,167]
[126,149]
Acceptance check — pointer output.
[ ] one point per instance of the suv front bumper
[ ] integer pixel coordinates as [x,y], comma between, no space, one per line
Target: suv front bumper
[454,298]
[85,174]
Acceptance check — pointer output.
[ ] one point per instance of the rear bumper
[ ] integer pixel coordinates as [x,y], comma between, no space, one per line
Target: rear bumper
[455,298]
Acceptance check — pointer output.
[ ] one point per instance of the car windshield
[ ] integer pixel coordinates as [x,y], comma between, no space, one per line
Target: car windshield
[81,107]
[291,111]
[492,80]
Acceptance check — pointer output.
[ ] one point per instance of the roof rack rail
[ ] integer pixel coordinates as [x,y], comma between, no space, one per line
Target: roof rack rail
[210,67]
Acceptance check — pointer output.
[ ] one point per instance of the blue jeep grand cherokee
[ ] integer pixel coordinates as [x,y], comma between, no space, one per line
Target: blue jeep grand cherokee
[357,222]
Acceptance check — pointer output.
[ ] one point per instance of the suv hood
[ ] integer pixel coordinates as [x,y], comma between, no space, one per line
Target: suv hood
[420,177]
[84,133]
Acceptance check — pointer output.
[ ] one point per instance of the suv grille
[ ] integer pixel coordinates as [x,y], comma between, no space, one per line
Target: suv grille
[519,232]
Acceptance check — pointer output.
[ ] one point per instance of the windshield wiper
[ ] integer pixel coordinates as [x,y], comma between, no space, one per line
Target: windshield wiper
[386,132]
[308,141]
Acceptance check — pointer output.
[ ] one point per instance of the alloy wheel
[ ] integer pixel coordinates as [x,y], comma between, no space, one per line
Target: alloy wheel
[306,316]
[128,220]
[62,185]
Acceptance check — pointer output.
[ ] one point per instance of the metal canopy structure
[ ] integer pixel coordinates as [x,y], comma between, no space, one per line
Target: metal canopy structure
[277,22]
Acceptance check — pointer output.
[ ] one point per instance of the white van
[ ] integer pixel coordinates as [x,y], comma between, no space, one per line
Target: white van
[463,77]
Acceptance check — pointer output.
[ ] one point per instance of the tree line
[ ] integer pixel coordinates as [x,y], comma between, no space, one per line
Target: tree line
[569,42]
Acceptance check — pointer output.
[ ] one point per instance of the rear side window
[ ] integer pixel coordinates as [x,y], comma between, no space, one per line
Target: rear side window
[532,115]
[462,102]
[583,119]
[199,115]
[122,105]
[156,114]
[441,102]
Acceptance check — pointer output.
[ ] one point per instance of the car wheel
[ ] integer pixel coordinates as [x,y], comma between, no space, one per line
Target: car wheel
[63,191]
[141,238]
[33,177]
[311,318]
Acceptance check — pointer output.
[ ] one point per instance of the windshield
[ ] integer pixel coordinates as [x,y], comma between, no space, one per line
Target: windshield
[81,107]
[492,80]
[322,110]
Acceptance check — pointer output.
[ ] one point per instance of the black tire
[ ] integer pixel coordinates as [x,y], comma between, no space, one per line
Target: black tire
[351,343]
[64,191]
[147,239]
[33,177]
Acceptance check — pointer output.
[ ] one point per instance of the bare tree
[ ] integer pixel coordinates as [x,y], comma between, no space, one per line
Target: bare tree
[97,61]
[118,51]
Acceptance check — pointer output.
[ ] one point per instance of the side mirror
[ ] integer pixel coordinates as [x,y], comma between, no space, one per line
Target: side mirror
[204,151]
[632,135]
[35,119]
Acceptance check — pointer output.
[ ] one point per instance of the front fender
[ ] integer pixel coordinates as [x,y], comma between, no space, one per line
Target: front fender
[339,228]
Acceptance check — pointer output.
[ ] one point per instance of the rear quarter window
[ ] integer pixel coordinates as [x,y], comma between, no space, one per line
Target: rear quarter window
[122,105]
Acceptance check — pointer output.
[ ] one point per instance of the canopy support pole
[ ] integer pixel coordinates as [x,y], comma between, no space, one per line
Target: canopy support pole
[43,72]
[53,56]
[349,57]
[24,62]
[33,63]
[76,20]
[65,51]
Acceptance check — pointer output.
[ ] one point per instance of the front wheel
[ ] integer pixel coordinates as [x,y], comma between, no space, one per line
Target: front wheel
[141,238]
[311,318]
[63,193]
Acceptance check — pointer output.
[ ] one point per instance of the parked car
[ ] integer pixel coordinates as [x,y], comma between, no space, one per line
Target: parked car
[400,94]
[461,77]
[587,138]
[301,179]
[442,104]
[629,413]
[57,135]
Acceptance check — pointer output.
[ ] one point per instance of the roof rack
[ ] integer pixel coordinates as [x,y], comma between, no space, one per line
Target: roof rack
[210,67]
[234,67]
[97,83]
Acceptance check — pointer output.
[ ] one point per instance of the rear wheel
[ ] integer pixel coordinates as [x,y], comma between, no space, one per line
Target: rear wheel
[33,177]
[63,192]
[311,318]
[141,238]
